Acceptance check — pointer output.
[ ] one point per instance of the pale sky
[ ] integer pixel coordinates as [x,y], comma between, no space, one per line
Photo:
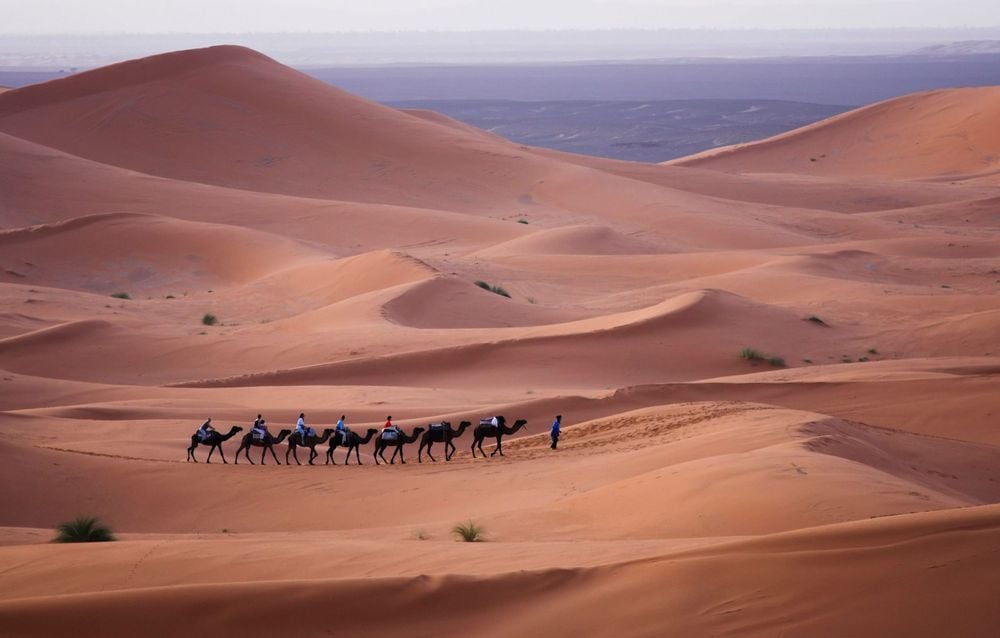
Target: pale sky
[236,16]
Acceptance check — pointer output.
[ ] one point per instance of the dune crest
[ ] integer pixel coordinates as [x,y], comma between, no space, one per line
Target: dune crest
[947,133]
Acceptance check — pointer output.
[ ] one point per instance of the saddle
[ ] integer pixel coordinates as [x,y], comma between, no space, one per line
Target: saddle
[390,435]
[487,422]
[436,427]
[203,435]
[258,435]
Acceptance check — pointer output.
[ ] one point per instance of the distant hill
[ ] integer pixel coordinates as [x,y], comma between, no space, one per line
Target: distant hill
[968,47]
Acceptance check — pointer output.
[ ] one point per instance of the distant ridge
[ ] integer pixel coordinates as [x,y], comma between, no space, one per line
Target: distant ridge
[950,132]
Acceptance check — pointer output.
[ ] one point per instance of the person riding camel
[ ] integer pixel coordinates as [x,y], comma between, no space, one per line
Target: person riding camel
[389,430]
[342,428]
[206,429]
[300,427]
[259,429]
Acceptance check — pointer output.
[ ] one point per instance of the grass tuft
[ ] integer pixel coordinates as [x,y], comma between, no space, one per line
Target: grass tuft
[468,532]
[83,529]
[777,362]
[750,354]
[122,295]
[522,221]
[872,351]
[209,319]
[494,289]
[816,320]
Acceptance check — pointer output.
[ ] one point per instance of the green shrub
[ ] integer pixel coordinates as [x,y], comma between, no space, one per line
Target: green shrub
[122,295]
[209,319]
[468,532]
[777,362]
[83,529]
[750,354]
[494,289]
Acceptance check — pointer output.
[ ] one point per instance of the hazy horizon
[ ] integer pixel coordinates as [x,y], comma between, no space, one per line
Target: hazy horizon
[486,47]
[208,16]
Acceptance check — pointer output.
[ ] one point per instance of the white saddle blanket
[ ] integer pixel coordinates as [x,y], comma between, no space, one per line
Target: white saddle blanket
[489,421]
[390,435]
[258,435]
[437,426]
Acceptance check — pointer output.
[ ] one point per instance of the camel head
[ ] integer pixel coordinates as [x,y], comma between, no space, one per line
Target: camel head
[520,423]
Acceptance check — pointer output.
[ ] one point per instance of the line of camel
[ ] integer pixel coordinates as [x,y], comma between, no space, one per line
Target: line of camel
[442,434]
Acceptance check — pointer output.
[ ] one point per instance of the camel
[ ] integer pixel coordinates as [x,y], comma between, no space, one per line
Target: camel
[401,440]
[441,435]
[498,431]
[214,441]
[353,443]
[268,443]
[311,441]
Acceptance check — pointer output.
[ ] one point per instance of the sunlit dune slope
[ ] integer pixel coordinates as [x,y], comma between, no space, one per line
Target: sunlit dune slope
[945,133]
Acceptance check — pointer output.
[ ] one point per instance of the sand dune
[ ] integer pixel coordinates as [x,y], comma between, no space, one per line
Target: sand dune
[842,481]
[941,133]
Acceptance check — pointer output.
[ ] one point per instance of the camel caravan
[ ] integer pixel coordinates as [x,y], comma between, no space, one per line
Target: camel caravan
[390,436]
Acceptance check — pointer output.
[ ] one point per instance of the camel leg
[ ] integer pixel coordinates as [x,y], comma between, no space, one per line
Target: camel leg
[357,454]
[402,460]
[223,455]
[329,456]
[473,448]
[273,455]
[480,446]
[312,454]
[191,454]
[449,450]
[211,450]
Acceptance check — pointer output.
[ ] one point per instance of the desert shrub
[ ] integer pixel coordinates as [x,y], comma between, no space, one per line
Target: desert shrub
[494,289]
[522,221]
[83,529]
[816,320]
[750,354]
[468,532]
[863,359]
[122,295]
[808,360]
[777,362]
[209,319]
[872,351]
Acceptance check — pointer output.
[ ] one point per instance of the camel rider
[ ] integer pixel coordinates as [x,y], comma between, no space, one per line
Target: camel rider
[205,430]
[495,422]
[300,427]
[389,428]
[342,428]
[555,431]
[259,429]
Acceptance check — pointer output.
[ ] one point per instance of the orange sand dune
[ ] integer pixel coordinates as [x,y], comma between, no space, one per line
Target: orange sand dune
[940,133]
[839,479]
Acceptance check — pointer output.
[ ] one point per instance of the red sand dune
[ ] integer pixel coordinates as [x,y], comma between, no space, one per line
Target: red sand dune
[840,480]
[944,133]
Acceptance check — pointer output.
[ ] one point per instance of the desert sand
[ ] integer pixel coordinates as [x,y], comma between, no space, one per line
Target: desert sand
[845,483]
